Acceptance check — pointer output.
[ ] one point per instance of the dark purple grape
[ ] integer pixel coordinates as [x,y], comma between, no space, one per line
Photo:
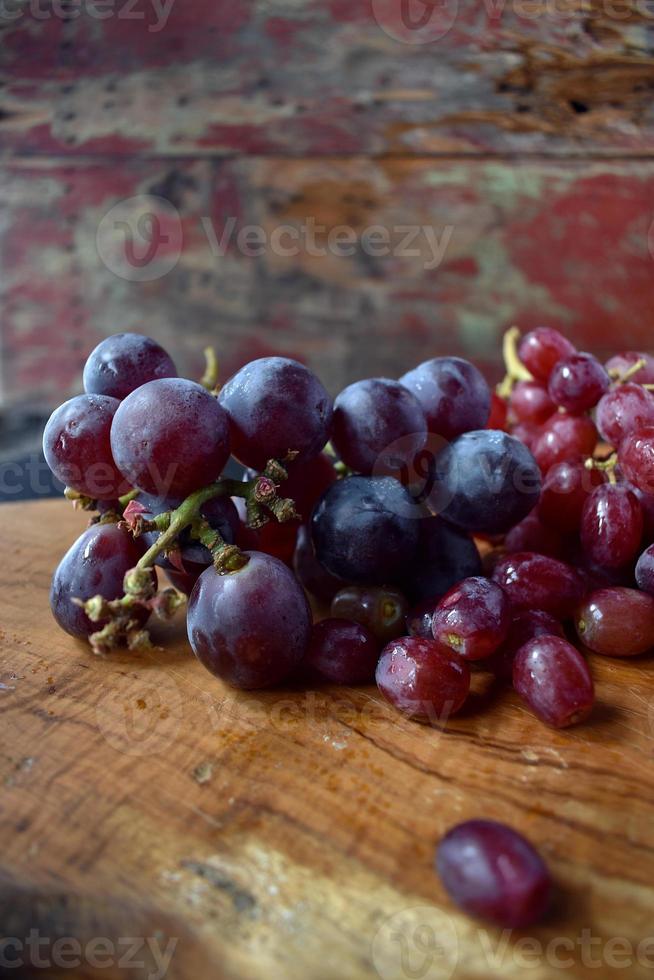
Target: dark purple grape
[625,408]
[645,571]
[578,382]
[445,556]
[250,627]
[611,526]
[552,677]
[364,530]
[472,619]
[541,349]
[170,437]
[276,405]
[453,393]
[381,610]
[418,619]
[493,873]
[531,403]
[184,581]
[343,652]
[422,680]
[95,565]
[310,573]
[616,622]
[636,458]
[566,489]
[124,362]
[564,437]
[219,512]
[490,479]
[379,426]
[77,447]
[534,581]
[525,625]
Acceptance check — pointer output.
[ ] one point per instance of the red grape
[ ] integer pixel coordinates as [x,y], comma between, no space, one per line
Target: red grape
[77,447]
[531,535]
[531,403]
[310,572]
[123,362]
[379,426]
[343,652]
[527,434]
[622,410]
[498,412]
[578,382]
[636,458]
[525,625]
[472,619]
[453,393]
[94,565]
[541,349]
[646,501]
[645,571]
[250,627]
[170,437]
[611,526]
[382,611]
[493,873]
[564,437]
[566,488]
[534,581]
[621,363]
[616,622]
[276,405]
[552,677]
[422,680]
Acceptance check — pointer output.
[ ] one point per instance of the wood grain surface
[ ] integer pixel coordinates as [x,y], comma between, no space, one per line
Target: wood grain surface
[291,833]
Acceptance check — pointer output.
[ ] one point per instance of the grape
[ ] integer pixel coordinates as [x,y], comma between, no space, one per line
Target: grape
[534,581]
[123,362]
[527,434]
[552,677]
[578,382]
[276,405]
[498,412]
[620,364]
[379,425]
[531,535]
[564,437]
[219,512]
[250,627]
[343,652]
[531,403]
[636,458]
[307,482]
[490,479]
[566,488]
[619,412]
[645,571]
[418,619]
[310,572]
[184,581]
[472,619]
[453,393]
[525,625]
[364,531]
[422,680]
[445,556]
[492,872]
[611,526]
[616,622]
[95,565]
[382,611]
[278,540]
[170,437]
[646,501]
[541,349]
[77,447]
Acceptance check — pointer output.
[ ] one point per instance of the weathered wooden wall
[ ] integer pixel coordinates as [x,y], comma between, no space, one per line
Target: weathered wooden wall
[523,137]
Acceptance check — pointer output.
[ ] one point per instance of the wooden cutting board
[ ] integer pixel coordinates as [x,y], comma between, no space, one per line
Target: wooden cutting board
[290,834]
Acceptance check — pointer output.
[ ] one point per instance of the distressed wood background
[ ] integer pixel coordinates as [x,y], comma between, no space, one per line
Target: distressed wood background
[519,132]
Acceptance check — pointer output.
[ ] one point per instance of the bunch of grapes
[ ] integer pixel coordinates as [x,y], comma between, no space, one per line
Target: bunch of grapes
[450,528]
